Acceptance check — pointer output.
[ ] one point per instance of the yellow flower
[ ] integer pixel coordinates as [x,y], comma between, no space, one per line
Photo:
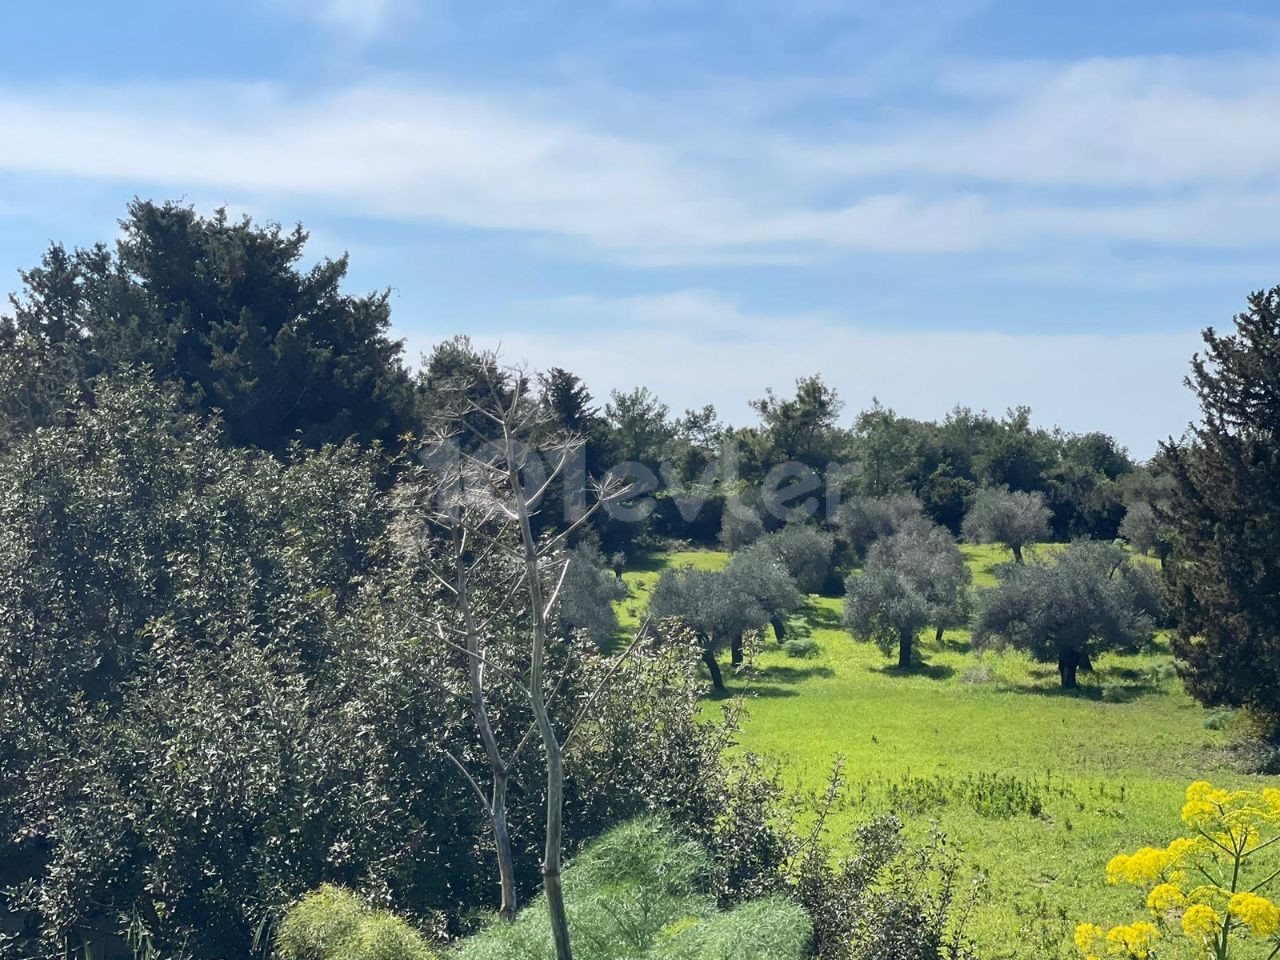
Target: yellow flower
[1087,934]
[1140,868]
[1271,797]
[1200,921]
[1259,914]
[1204,803]
[1165,897]
[1136,939]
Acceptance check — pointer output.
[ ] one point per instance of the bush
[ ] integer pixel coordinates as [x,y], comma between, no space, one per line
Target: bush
[336,924]
[640,891]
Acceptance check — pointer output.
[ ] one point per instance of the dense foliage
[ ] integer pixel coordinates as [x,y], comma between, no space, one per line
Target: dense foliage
[219,308]
[1224,515]
[1087,598]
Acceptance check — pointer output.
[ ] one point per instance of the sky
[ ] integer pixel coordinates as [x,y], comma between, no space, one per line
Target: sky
[929,203]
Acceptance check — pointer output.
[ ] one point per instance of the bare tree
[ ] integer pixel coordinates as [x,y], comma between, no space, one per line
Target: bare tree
[483,499]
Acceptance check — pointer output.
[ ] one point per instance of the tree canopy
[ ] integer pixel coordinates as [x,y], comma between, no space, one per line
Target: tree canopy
[1088,598]
[220,308]
[1224,516]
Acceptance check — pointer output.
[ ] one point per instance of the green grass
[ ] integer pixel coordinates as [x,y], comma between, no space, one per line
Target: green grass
[1108,763]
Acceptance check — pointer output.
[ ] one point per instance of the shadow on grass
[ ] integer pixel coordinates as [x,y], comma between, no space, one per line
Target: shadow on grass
[646,563]
[1115,685]
[934,671]
[821,618]
[767,682]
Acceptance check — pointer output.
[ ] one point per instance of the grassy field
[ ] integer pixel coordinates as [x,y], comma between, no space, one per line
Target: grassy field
[1082,775]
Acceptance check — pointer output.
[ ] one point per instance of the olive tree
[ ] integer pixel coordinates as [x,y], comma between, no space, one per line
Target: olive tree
[883,606]
[759,574]
[912,578]
[864,520]
[587,596]
[1013,518]
[716,607]
[804,551]
[1088,598]
[1145,531]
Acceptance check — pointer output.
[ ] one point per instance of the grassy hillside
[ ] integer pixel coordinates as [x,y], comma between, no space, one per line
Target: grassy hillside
[1038,787]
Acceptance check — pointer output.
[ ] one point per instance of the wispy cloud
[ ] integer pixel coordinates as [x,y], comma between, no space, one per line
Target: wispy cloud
[1163,152]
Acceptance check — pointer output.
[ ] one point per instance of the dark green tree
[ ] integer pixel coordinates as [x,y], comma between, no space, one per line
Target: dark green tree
[221,309]
[1224,515]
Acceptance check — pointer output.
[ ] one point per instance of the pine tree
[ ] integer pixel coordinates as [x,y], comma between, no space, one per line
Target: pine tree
[1224,514]
[219,307]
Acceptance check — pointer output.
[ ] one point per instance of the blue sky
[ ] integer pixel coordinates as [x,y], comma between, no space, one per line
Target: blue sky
[989,203]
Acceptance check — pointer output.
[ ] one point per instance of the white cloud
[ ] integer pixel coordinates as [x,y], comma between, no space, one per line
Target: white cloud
[703,349]
[1203,149]
[1144,122]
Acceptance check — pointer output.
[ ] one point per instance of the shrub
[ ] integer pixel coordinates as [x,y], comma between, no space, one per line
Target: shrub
[335,924]
[640,891]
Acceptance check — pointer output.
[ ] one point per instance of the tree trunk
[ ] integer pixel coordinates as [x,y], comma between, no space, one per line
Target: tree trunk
[779,628]
[904,651]
[1086,663]
[551,854]
[1068,663]
[493,753]
[502,840]
[709,658]
[937,637]
[1017,553]
[735,650]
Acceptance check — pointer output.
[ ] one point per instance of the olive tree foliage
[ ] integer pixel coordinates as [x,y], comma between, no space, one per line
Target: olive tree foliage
[914,577]
[864,520]
[761,576]
[717,608]
[883,606]
[804,551]
[1013,518]
[587,596]
[1088,598]
[1144,530]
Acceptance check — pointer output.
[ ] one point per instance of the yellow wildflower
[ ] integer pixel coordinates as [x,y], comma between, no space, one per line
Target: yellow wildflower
[1087,935]
[1165,897]
[1259,914]
[1204,803]
[1135,938]
[1140,868]
[1200,921]
[1271,797]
